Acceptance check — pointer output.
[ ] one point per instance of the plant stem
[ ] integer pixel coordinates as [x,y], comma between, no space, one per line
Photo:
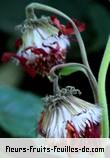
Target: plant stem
[102,91]
[76,67]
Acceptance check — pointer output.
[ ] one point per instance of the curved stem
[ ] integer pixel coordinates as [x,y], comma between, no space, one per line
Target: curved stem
[37,6]
[102,91]
[30,12]
[76,67]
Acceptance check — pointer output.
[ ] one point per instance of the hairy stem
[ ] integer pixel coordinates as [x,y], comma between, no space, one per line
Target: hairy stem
[102,91]
[37,6]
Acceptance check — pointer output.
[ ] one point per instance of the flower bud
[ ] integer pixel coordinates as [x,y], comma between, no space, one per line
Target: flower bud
[43,45]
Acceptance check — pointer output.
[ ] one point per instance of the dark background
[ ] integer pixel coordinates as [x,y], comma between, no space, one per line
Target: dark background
[95,14]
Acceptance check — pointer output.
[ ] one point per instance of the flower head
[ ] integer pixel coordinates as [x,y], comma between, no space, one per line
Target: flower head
[43,44]
[68,116]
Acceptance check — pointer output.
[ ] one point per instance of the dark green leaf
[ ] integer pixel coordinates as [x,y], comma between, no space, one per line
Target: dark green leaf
[19,112]
[68,70]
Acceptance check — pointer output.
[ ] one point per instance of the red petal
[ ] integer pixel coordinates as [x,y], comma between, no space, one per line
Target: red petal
[18,43]
[30,71]
[40,125]
[7,56]
[39,51]
[56,22]
[71,131]
[21,59]
[28,68]
[90,132]
[81,26]
[93,131]
[68,29]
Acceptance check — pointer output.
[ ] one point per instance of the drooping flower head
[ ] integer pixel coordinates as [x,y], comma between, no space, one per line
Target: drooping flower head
[43,44]
[68,116]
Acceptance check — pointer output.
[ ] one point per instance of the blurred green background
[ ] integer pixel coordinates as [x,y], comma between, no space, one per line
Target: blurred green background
[20,95]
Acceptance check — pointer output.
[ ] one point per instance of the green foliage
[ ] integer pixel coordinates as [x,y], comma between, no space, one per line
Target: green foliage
[102,91]
[72,68]
[10,74]
[19,112]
